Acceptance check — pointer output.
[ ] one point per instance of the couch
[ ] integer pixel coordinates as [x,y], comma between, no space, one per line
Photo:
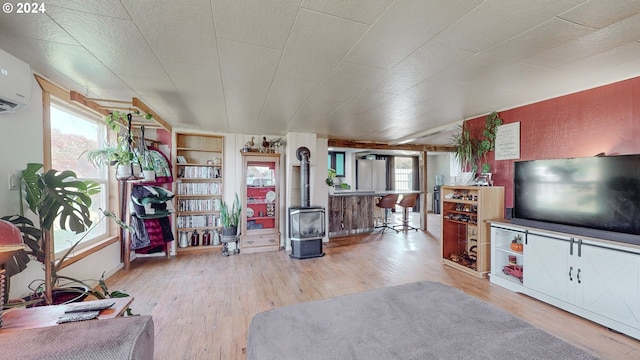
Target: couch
[120,338]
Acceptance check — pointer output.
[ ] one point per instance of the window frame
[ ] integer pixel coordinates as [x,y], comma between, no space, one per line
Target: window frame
[333,162]
[114,235]
[103,180]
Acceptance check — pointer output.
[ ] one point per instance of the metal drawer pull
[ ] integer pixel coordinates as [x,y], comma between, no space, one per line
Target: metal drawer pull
[578,276]
[570,270]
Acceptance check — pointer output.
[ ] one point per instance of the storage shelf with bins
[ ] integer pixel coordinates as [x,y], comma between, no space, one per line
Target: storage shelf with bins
[507,264]
[260,215]
[198,166]
[465,236]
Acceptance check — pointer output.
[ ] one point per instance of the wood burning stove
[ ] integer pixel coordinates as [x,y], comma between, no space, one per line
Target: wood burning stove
[306,223]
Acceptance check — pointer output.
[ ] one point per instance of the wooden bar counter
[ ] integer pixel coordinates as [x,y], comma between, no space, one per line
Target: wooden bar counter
[352,211]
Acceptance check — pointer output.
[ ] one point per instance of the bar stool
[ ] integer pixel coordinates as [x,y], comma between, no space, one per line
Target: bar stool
[387,203]
[407,201]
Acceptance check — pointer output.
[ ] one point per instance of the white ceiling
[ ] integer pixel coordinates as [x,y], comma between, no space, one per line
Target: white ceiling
[375,70]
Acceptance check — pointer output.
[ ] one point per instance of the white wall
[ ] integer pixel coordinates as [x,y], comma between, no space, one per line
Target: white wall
[317,173]
[21,143]
[437,163]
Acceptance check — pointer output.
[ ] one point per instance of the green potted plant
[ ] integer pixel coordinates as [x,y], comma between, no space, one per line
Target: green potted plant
[230,217]
[148,170]
[331,176]
[469,150]
[119,153]
[55,197]
[466,151]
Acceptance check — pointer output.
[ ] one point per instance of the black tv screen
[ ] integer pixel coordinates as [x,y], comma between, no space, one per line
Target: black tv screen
[578,194]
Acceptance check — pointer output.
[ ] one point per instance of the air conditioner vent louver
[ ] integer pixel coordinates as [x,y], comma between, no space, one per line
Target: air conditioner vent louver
[15,83]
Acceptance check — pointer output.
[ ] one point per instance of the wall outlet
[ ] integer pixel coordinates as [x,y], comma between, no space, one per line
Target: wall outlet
[14,181]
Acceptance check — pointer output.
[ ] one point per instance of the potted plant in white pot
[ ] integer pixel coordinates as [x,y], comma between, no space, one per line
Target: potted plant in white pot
[466,151]
[119,153]
[114,154]
[469,150]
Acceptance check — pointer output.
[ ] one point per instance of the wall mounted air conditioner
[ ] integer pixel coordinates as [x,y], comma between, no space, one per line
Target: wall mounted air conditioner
[15,83]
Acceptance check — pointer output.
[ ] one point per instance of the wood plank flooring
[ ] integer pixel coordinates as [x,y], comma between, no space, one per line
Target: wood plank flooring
[202,303]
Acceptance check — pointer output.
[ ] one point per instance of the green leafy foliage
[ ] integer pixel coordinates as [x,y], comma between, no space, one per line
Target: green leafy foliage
[55,196]
[230,217]
[469,150]
[59,196]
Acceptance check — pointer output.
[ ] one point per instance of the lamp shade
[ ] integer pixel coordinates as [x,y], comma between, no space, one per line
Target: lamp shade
[10,240]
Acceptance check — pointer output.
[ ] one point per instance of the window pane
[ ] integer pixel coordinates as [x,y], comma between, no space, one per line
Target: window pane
[64,239]
[339,164]
[403,173]
[71,136]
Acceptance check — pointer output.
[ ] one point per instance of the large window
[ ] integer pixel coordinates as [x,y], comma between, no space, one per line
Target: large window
[404,173]
[72,133]
[336,161]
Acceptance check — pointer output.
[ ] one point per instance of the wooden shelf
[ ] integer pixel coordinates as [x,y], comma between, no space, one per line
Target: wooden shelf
[198,192]
[470,238]
[200,248]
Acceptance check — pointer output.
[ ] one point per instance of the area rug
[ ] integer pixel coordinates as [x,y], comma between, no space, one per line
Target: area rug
[424,320]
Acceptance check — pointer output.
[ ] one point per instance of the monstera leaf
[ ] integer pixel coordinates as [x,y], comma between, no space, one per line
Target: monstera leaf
[59,195]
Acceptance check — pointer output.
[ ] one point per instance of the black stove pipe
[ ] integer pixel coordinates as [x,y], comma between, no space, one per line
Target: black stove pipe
[303,154]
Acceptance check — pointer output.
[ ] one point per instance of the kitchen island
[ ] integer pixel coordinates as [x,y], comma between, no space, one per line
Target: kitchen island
[351,212]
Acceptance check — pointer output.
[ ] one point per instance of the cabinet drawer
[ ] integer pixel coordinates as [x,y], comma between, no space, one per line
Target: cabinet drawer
[260,240]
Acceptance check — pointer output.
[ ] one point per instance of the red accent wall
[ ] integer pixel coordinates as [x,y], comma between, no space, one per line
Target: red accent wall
[600,120]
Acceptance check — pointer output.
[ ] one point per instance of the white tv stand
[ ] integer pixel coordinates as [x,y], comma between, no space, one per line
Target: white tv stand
[593,278]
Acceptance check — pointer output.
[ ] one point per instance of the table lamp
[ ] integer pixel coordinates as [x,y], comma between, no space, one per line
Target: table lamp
[10,242]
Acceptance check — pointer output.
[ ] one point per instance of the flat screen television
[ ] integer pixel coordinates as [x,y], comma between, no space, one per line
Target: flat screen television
[596,196]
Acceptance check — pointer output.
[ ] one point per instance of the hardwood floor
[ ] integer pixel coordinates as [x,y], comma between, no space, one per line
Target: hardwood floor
[202,304]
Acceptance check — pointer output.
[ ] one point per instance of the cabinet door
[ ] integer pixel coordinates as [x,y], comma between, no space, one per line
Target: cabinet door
[610,282]
[261,196]
[548,265]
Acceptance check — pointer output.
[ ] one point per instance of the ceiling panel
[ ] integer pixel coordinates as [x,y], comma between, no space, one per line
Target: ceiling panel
[116,43]
[428,60]
[247,67]
[477,31]
[257,22]
[347,79]
[41,27]
[405,26]
[597,42]
[284,99]
[107,8]
[601,13]
[551,34]
[166,27]
[243,110]
[317,44]
[364,11]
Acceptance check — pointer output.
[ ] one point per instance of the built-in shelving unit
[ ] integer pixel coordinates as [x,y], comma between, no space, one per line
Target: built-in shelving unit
[465,233]
[199,188]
